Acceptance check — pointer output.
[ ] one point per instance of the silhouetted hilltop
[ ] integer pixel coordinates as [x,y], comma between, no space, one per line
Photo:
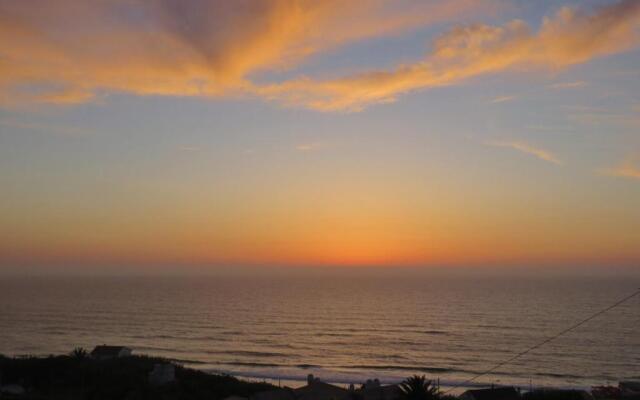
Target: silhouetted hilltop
[80,377]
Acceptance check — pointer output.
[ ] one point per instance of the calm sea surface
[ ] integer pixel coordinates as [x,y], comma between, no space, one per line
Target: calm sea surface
[342,329]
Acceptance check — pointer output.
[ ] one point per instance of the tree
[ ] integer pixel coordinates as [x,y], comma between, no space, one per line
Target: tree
[418,388]
[79,353]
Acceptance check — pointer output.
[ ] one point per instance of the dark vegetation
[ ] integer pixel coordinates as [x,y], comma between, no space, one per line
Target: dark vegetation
[418,388]
[78,376]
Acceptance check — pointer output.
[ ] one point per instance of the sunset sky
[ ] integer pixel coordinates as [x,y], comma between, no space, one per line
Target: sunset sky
[171,134]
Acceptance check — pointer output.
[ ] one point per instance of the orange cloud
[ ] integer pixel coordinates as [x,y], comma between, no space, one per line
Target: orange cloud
[627,169]
[567,85]
[69,51]
[308,146]
[502,99]
[212,47]
[570,37]
[526,148]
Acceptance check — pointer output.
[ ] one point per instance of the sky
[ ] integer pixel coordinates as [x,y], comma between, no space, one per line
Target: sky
[170,135]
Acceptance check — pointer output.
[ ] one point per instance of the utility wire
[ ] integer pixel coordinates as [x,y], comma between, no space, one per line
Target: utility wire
[584,321]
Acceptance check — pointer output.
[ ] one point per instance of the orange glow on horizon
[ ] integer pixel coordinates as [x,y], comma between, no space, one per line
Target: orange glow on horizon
[319,133]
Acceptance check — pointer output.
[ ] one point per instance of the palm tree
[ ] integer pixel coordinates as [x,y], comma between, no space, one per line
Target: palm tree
[418,388]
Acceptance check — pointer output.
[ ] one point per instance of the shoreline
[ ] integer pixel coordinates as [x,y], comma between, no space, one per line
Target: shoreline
[296,376]
[298,381]
[83,373]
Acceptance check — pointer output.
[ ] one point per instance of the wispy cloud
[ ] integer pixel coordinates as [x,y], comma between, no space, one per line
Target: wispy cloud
[213,48]
[568,85]
[308,146]
[549,128]
[526,148]
[595,116]
[630,168]
[568,38]
[502,99]
[68,51]
[47,128]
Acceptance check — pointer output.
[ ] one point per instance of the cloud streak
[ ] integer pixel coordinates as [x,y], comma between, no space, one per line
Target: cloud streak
[171,47]
[212,48]
[570,37]
[502,99]
[72,131]
[526,148]
[567,85]
[308,146]
[627,169]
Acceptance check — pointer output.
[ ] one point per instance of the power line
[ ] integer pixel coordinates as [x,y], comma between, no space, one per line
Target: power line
[584,321]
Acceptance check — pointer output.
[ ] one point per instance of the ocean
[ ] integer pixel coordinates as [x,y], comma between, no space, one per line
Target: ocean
[342,329]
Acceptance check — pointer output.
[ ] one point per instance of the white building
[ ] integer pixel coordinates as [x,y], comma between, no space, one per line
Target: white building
[105,352]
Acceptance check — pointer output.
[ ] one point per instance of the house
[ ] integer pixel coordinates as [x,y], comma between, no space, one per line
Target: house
[378,392]
[277,394]
[629,388]
[493,393]
[559,394]
[371,383]
[105,352]
[605,392]
[318,390]
[162,374]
